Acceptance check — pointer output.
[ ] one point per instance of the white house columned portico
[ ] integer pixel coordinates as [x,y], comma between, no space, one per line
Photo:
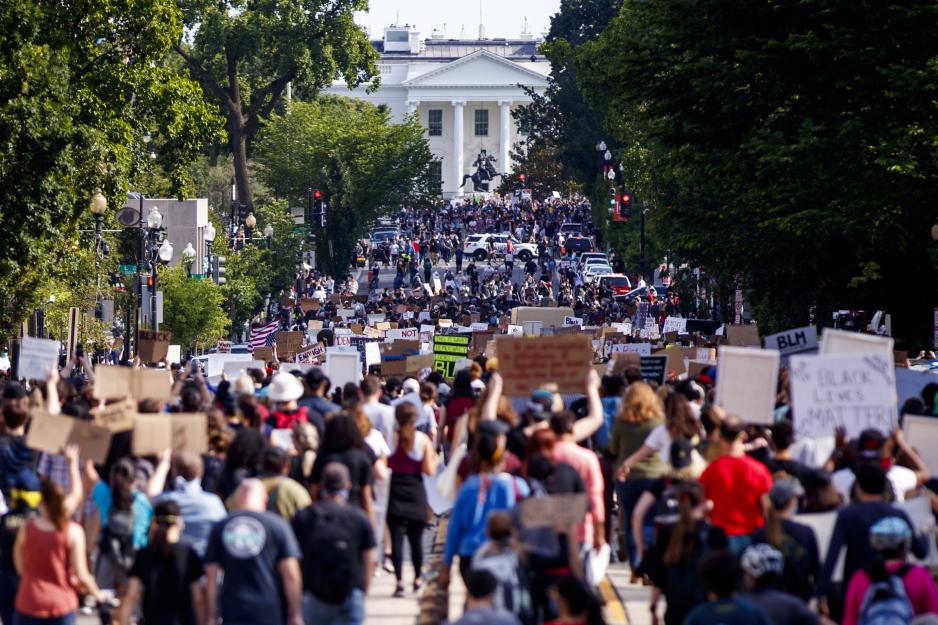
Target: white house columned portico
[463,93]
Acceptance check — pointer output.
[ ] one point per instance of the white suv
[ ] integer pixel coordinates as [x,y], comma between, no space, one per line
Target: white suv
[477,246]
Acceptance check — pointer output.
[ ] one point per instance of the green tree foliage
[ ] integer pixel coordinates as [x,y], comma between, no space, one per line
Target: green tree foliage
[80,82]
[791,143]
[364,164]
[245,53]
[193,310]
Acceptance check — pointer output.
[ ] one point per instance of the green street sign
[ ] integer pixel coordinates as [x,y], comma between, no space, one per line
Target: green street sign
[128,270]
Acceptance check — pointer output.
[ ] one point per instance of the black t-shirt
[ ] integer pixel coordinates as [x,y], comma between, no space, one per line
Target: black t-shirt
[359,529]
[248,546]
[166,578]
[799,546]
[359,464]
[809,477]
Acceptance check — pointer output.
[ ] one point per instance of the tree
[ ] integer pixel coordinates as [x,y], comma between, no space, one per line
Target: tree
[193,310]
[540,164]
[790,144]
[79,85]
[349,149]
[245,54]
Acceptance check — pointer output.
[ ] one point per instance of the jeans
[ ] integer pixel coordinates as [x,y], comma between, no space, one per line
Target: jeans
[628,493]
[350,612]
[22,619]
[738,544]
[399,527]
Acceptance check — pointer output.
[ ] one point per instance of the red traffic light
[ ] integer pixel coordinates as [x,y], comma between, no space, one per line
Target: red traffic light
[317,195]
[626,197]
[521,177]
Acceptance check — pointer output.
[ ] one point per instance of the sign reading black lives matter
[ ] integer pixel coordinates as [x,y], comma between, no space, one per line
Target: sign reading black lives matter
[448,349]
[853,391]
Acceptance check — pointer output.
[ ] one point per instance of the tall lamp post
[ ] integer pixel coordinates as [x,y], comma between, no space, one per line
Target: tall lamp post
[208,234]
[188,256]
[268,234]
[98,209]
[249,223]
[159,250]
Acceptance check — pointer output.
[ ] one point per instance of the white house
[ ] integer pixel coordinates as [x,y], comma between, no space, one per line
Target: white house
[474,83]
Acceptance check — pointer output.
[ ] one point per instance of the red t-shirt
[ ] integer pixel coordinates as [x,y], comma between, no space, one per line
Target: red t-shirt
[734,485]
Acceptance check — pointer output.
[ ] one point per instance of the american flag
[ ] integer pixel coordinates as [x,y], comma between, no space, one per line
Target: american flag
[263,335]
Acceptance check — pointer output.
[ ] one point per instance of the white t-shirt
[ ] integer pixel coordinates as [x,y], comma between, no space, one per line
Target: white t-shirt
[377,443]
[660,441]
[382,419]
[901,479]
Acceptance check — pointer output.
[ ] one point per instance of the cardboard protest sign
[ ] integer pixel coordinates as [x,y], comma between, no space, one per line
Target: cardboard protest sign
[642,349]
[51,433]
[289,343]
[447,350]
[697,367]
[309,304]
[922,434]
[394,356]
[152,345]
[71,342]
[382,326]
[843,342]
[443,323]
[625,360]
[796,341]
[118,382]
[287,302]
[179,431]
[223,347]
[116,417]
[853,391]
[312,353]
[654,368]
[36,356]
[526,363]
[554,510]
[314,324]
[547,316]
[415,364]
[743,336]
[747,381]
[264,353]
[532,328]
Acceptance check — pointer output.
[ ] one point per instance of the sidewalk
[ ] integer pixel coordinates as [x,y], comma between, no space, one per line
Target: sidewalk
[633,597]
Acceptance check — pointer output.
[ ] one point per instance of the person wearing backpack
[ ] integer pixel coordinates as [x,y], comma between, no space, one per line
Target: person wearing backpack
[338,547]
[123,515]
[890,591]
[500,556]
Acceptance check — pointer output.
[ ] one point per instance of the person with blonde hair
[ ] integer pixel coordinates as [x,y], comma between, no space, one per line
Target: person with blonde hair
[642,411]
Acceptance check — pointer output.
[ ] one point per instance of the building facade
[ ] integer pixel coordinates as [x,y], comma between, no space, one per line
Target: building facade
[463,93]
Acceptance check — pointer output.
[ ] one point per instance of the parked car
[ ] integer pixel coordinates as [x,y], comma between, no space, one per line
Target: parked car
[477,246]
[595,271]
[585,257]
[571,227]
[576,244]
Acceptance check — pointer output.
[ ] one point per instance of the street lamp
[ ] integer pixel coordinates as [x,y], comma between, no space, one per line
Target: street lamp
[249,222]
[934,232]
[154,219]
[268,234]
[601,146]
[166,251]
[188,255]
[98,208]
[208,235]
[607,155]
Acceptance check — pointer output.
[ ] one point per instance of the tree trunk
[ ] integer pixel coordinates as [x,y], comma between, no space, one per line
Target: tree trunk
[238,139]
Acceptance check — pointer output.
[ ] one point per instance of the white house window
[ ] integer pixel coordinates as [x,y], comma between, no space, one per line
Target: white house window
[436,176]
[435,122]
[482,122]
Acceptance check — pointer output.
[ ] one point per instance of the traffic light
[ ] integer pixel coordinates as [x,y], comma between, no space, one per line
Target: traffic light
[625,206]
[613,201]
[219,270]
[322,215]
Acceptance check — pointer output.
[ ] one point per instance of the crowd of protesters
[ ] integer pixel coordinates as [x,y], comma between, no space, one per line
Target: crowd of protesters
[306,489]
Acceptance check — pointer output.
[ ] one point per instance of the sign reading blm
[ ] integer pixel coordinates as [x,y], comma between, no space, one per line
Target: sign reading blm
[448,349]
[853,391]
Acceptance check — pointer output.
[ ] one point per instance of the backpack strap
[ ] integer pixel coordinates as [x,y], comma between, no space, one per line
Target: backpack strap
[903,570]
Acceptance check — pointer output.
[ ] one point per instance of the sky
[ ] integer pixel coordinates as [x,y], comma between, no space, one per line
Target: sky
[501,19]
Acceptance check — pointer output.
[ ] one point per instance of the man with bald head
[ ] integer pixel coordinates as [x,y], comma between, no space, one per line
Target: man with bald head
[259,556]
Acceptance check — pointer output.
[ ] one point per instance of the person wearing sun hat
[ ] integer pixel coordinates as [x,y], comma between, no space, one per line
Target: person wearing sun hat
[284,390]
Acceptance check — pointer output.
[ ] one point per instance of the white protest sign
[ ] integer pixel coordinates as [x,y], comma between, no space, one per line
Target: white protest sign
[922,434]
[342,332]
[515,330]
[794,341]
[345,313]
[675,324]
[405,334]
[215,363]
[573,321]
[424,316]
[37,355]
[853,391]
[642,349]
[342,366]
[843,342]
[478,326]
[372,354]
[533,328]
[234,369]
[624,328]
[174,354]
[919,512]
[376,318]
[650,331]
[437,285]
[746,383]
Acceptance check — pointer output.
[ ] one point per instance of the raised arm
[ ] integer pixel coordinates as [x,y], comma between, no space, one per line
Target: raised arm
[75,494]
[586,427]
[493,392]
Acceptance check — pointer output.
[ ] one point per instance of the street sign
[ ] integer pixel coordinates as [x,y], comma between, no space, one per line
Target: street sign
[128,270]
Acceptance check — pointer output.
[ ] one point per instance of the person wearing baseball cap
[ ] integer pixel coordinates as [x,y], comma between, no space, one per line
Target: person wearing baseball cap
[763,566]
